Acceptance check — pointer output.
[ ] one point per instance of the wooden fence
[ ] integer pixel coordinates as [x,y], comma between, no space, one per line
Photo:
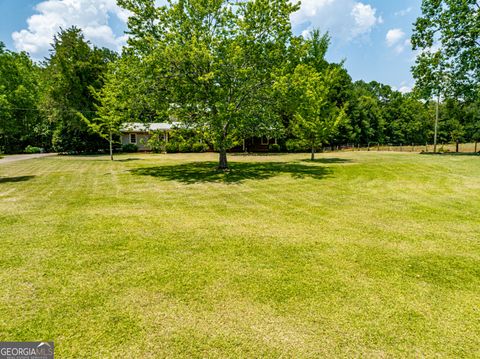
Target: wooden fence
[450,147]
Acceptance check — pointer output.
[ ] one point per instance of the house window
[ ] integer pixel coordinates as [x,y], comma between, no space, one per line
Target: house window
[133,138]
[264,141]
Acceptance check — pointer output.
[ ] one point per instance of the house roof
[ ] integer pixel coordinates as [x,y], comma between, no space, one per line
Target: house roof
[147,127]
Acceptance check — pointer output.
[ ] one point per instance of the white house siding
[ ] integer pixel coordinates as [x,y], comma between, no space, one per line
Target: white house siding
[143,132]
[142,139]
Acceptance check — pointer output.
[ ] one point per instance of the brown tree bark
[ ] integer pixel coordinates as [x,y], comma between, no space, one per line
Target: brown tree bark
[223,163]
[222,150]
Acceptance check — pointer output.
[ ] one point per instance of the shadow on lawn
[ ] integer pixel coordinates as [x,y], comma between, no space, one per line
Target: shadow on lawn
[331,160]
[201,172]
[127,160]
[15,179]
[450,154]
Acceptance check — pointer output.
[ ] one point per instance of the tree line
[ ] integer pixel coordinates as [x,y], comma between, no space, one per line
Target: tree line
[228,71]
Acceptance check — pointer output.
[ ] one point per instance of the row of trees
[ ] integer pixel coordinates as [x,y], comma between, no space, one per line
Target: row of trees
[229,71]
[46,105]
[447,37]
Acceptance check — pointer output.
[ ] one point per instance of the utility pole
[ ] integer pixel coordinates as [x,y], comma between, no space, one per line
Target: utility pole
[436,124]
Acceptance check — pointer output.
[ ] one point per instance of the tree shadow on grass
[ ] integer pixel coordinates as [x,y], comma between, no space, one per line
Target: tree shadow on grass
[204,172]
[256,154]
[450,154]
[15,179]
[127,160]
[332,160]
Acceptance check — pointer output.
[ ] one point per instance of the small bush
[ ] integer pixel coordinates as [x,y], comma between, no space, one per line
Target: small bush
[33,149]
[199,147]
[184,147]
[171,147]
[274,148]
[130,147]
[156,144]
[296,146]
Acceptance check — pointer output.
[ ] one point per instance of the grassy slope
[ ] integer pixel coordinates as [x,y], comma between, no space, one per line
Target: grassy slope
[358,254]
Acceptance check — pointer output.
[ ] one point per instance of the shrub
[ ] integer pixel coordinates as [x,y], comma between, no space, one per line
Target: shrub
[296,146]
[33,149]
[129,147]
[156,144]
[184,147]
[274,148]
[199,147]
[171,147]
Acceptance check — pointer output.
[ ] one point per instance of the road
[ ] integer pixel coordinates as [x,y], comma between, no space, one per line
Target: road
[14,158]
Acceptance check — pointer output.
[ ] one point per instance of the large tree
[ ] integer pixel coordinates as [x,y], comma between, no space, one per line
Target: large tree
[316,117]
[447,37]
[72,70]
[450,31]
[20,123]
[214,61]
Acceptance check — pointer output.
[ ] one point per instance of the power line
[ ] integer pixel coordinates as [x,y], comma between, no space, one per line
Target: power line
[38,110]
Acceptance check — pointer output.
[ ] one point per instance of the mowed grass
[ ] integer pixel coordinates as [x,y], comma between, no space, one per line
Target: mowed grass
[357,254]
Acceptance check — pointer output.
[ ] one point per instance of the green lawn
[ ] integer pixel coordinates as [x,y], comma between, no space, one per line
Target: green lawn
[357,254]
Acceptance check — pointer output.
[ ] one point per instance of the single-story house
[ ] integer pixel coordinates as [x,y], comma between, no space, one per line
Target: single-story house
[138,133]
[258,144]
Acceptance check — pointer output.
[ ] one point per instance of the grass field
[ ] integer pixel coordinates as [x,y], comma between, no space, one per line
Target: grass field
[356,254]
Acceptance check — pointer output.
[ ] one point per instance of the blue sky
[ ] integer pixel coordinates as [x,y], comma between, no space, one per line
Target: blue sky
[371,35]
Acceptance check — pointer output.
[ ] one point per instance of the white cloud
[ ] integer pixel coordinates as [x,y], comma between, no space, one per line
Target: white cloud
[394,36]
[405,89]
[365,18]
[344,19]
[397,40]
[92,16]
[404,12]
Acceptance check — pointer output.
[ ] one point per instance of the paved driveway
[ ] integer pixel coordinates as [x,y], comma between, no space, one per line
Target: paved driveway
[14,158]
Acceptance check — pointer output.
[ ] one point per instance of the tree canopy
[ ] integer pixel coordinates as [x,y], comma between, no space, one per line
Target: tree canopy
[20,123]
[448,38]
[71,71]
[216,61]
[233,71]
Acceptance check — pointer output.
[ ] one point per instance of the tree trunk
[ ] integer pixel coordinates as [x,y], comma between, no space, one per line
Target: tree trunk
[313,154]
[110,145]
[223,164]
[457,146]
[476,146]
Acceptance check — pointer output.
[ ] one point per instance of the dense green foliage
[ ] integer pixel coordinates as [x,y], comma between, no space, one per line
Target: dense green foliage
[216,61]
[178,140]
[20,123]
[229,73]
[32,149]
[447,38]
[448,35]
[130,148]
[73,72]
[308,92]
